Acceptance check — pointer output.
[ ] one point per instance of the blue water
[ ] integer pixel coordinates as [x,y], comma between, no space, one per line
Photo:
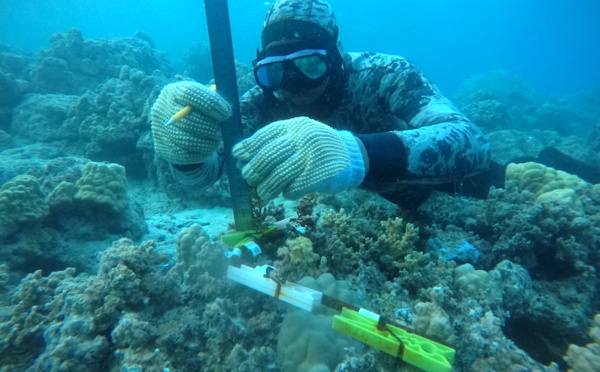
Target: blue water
[551,44]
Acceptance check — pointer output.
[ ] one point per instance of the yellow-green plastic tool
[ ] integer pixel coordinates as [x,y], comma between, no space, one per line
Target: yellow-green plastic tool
[428,355]
[240,238]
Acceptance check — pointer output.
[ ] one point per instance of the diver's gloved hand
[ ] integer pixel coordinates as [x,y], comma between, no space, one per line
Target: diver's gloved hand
[299,156]
[195,136]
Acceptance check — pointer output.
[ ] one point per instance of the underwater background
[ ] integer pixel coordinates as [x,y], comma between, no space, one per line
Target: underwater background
[107,264]
[551,44]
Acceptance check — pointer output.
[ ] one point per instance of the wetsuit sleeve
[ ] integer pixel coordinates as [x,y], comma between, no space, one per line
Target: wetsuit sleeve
[199,176]
[441,144]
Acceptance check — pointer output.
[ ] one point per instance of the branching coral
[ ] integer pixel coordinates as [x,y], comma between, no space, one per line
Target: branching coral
[387,242]
[343,225]
[298,249]
[401,237]
[297,259]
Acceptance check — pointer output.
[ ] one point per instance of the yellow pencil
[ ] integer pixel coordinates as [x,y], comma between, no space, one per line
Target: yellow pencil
[183,112]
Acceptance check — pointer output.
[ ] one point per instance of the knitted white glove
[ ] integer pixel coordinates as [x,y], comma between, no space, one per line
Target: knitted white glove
[299,156]
[194,137]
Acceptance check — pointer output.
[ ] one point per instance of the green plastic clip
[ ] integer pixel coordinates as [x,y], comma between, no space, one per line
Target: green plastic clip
[240,238]
[419,351]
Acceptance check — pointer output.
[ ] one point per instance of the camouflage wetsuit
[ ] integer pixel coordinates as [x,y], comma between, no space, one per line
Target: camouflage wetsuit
[412,133]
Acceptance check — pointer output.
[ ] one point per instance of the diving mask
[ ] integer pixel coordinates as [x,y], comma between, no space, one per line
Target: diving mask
[309,64]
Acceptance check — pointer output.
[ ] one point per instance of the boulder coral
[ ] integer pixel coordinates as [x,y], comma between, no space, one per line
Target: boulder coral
[189,243]
[21,201]
[197,255]
[548,184]
[74,64]
[586,359]
[43,118]
[306,341]
[103,186]
[469,280]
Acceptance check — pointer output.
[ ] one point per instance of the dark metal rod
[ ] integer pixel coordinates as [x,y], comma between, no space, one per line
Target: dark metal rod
[219,33]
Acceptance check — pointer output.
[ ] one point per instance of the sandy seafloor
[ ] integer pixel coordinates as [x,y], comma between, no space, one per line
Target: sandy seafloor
[107,264]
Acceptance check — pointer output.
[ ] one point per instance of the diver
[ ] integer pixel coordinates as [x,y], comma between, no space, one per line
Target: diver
[320,120]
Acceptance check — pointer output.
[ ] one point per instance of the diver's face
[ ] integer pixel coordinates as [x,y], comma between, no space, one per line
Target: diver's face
[294,74]
[301,97]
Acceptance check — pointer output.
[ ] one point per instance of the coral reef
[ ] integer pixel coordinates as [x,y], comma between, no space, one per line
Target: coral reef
[196,254]
[470,273]
[297,259]
[467,279]
[57,224]
[189,244]
[92,96]
[21,202]
[512,144]
[498,100]
[142,311]
[551,246]
[586,359]
[548,184]
[368,235]
[60,321]
[13,85]
[42,117]
[73,64]
[111,119]
[306,341]
[197,62]
[62,195]
[103,186]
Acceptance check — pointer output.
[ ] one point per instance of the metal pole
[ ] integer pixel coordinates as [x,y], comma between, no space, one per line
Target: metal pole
[219,32]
